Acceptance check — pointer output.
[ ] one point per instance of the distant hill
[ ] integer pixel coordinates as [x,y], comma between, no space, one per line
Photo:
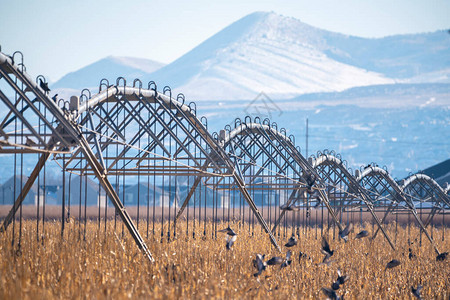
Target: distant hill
[110,68]
[284,58]
[439,172]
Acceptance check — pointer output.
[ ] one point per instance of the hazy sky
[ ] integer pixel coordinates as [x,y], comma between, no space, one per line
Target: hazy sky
[58,37]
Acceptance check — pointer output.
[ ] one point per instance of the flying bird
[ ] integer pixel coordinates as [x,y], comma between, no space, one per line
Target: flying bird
[330,294]
[228,231]
[291,242]
[416,291]
[231,237]
[442,256]
[230,241]
[276,260]
[310,181]
[326,250]
[339,281]
[303,255]
[392,264]
[411,255]
[344,233]
[44,86]
[259,264]
[289,207]
[362,234]
[29,142]
[287,261]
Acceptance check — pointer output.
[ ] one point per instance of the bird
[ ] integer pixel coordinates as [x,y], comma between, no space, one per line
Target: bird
[287,261]
[442,256]
[44,86]
[259,264]
[411,255]
[276,260]
[331,294]
[303,255]
[231,237]
[291,242]
[392,264]
[326,250]
[230,241]
[339,281]
[29,142]
[289,207]
[228,231]
[343,234]
[362,234]
[416,291]
[310,181]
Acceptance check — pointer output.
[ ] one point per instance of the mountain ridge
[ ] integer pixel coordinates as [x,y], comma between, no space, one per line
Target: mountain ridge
[109,67]
[285,58]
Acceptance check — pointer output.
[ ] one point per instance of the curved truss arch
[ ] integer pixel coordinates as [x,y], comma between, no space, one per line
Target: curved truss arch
[270,163]
[124,133]
[344,190]
[388,195]
[30,102]
[426,193]
[382,187]
[151,128]
[423,188]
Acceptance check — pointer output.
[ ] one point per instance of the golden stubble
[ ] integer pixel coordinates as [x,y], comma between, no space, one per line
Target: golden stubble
[107,264]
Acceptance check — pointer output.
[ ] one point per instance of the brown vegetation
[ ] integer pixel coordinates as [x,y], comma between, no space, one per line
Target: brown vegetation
[108,265]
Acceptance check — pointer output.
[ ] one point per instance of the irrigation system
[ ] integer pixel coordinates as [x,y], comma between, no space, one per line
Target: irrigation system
[138,146]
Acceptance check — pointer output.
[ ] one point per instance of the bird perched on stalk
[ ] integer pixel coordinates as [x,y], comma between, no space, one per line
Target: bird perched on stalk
[343,234]
[416,291]
[326,250]
[231,237]
[362,234]
[291,242]
[339,281]
[392,264]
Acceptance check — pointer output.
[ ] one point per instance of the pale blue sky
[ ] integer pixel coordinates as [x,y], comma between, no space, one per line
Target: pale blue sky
[58,37]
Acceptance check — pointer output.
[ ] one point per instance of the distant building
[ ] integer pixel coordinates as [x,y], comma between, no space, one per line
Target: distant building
[74,195]
[8,196]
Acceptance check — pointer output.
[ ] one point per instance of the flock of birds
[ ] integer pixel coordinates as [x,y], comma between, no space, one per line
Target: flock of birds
[260,263]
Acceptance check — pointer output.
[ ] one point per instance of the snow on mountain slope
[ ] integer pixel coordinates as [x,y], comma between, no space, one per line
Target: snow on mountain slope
[282,57]
[110,68]
[262,52]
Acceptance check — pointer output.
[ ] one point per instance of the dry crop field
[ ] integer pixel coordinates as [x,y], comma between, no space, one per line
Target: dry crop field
[109,265]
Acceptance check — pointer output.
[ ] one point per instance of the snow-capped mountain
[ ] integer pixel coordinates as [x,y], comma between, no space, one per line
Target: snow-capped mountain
[110,68]
[283,57]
